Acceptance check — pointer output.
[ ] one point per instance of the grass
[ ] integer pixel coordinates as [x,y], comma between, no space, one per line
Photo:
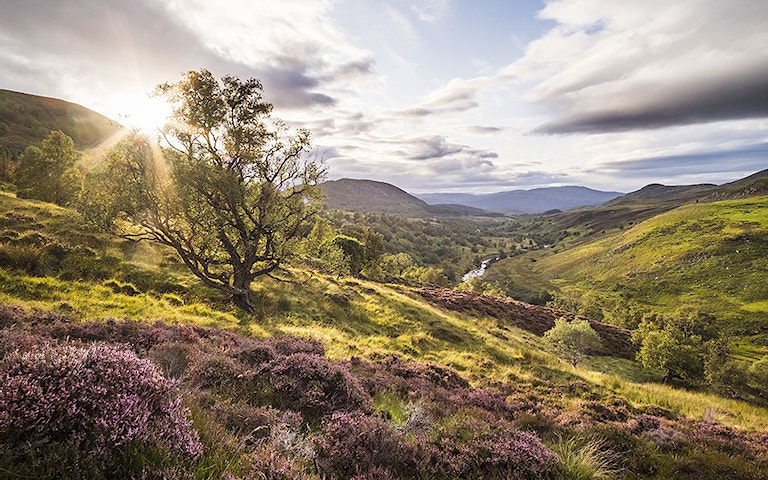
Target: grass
[712,257]
[351,317]
[586,460]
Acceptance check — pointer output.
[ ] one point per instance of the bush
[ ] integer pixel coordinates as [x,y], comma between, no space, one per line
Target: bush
[315,386]
[572,340]
[356,445]
[91,404]
[472,453]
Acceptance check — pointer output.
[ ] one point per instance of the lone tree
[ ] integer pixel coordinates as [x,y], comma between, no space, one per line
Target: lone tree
[234,193]
[572,340]
[49,172]
[677,344]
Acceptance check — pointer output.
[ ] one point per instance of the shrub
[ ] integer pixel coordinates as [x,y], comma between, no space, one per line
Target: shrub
[644,422]
[472,451]
[315,386]
[95,403]
[355,444]
[572,340]
[171,357]
[665,439]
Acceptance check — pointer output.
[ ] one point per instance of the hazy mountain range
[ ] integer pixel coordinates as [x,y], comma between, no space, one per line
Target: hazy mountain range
[536,200]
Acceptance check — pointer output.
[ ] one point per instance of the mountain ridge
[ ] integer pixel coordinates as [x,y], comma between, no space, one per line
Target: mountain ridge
[537,200]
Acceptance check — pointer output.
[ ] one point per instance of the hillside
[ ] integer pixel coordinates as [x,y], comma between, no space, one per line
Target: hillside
[27,119]
[369,196]
[708,256]
[442,383]
[537,200]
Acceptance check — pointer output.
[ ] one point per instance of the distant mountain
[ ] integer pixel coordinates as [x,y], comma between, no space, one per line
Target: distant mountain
[27,119]
[643,204]
[372,196]
[537,200]
[656,191]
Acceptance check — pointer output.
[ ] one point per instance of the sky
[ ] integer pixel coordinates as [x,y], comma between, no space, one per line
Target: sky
[473,96]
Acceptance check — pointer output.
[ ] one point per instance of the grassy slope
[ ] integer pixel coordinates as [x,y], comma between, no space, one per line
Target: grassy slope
[352,317]
[710,256]
[27,119]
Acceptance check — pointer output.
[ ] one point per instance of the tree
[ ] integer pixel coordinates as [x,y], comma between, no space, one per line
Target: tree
[354,252]
[49,172]
[676,344]
[572,340]
[235,193]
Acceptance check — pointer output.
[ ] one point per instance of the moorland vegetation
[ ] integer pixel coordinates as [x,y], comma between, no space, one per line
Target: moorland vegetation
[368,357]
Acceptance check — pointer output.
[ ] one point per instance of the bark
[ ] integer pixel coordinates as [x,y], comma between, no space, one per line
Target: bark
[244,301]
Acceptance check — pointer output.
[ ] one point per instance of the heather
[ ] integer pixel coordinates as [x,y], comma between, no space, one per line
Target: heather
[156,400]
[98,403]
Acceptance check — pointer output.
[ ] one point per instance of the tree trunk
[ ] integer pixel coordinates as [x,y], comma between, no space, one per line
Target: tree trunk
[244,300]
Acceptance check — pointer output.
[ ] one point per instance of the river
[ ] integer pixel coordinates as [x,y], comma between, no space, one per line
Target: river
[478,272]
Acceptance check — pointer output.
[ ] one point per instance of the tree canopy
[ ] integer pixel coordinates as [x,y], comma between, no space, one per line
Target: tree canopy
[572,340]
[232,191]
[49,172]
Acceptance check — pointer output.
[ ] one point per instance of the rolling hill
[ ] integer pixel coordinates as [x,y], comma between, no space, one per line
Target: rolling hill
[707,256]
[379,197]
[27,119]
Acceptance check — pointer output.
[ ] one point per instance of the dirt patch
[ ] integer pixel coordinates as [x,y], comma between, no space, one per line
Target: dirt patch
[533,318]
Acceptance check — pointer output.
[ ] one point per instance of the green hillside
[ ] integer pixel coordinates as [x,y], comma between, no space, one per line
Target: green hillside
[27,119]
[708,256]
[455,375]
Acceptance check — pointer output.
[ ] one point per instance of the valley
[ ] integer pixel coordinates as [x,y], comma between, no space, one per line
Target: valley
[371,342]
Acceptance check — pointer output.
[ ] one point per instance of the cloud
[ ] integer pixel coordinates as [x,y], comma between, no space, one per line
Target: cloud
[95,48]
[431,11]
[455,96]
[438,147]
[745,159]
[611,66]
[484,130]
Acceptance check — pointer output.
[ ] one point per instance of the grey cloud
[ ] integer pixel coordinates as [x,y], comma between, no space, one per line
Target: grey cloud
[436,147]
[731,96]
[481,130]
[627,67]
[351,124]
[744,159]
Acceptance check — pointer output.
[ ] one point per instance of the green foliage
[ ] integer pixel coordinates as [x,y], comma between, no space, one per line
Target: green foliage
[758,376]
[235,196]
[354,252]
[319,251]
[586,460]
[676,344]
[49,172]
[572,340]
[450,245]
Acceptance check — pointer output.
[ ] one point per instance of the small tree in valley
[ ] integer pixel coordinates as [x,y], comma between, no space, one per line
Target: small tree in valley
[677,344]
[49,172]
[572,340]
[234,195]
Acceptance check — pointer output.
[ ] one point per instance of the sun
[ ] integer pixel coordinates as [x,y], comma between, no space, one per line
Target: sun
[139,112]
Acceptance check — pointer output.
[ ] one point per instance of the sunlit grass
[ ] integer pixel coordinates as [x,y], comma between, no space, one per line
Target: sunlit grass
[88,301]
[696,405]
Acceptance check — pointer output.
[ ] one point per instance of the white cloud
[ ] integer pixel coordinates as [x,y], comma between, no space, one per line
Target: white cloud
[613,66]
